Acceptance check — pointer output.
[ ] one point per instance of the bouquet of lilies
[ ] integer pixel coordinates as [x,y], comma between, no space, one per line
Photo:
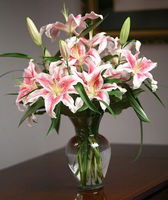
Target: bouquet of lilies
[89,72]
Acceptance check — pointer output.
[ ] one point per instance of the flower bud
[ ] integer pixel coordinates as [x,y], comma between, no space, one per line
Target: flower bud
[114,60]
[65,13]
[64,49]
[34,33]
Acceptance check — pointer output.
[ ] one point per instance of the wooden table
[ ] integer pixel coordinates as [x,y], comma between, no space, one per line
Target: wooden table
[48,177]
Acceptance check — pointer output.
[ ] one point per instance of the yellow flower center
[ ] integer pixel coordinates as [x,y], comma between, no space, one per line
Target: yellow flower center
[92,91]
[56,90]
[76,51]
[137,67]
[32,86]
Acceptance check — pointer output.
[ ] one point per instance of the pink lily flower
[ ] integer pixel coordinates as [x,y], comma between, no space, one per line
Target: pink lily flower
[72,23]
[139,68]
[113,73]
[92,15]
[29,83]
[99,40]
[56,88]
[95,87]
[52,30]
[112,46]
[79,53]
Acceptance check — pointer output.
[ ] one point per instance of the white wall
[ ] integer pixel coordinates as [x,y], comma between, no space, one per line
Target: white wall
[19,144]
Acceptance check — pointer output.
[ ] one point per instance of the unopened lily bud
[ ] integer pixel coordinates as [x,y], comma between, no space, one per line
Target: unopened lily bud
[34,33]
[64,49]
[65,13]
[114,60]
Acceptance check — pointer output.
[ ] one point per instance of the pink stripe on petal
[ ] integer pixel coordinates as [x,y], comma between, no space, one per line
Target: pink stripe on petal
[32,97]
[72,91]
[96,80]
[22,92]
[67,82]
[130,58]
[109,87]
[90,64]
[147,65]
[50,103]
[45,80]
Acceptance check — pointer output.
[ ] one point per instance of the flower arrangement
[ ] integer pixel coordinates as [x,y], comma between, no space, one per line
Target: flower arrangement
[93,73]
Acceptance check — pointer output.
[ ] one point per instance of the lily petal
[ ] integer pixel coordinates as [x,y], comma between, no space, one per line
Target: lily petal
[50,103]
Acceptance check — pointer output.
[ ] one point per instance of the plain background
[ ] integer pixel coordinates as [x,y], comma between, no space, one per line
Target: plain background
[20,144]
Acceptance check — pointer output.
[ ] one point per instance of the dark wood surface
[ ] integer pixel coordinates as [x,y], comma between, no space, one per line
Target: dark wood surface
[48,177]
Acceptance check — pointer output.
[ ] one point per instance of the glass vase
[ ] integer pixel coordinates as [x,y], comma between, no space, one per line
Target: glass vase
[88,152]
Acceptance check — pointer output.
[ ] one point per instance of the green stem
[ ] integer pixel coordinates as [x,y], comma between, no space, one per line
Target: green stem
[90,165]
[68,67]
[89,168]
[80,166]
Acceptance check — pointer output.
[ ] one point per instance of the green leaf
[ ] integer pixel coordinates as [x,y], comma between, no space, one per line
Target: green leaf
[116,93]
[32,109]
[125,30]
[119,106]
[51,59]
[136,92]
[40,112]
[29,93]
[55,122]
[52,126]
[16,55]
[147,84]
[84,107]
[108,107]
[90,28]
[109,57]
[12,93]
[128,42]
[80,89]
[115,80]
[136,106]
[11,71]
[141,143]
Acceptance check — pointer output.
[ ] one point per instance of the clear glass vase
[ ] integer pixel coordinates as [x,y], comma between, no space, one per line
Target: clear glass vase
[88,152]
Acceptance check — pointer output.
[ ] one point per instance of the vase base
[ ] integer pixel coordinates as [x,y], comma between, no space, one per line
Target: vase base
[90,187]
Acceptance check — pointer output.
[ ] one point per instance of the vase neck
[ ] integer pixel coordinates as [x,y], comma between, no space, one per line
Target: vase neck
[86,125]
